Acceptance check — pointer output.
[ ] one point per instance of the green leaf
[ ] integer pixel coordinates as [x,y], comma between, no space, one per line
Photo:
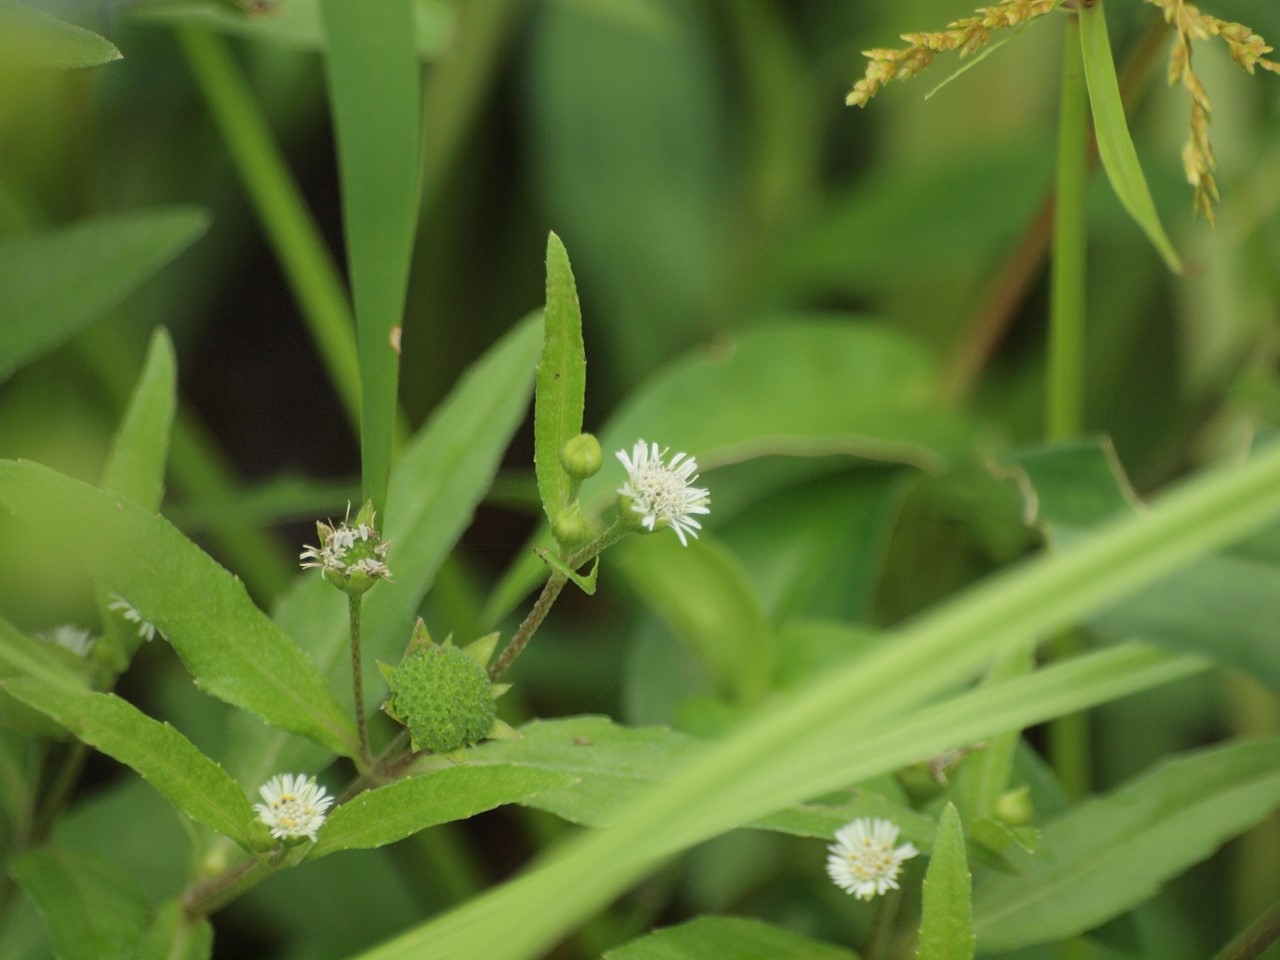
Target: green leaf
[294,24]
[1113,853]
[140,448]
[398,810]
[561,385]
[586,583]
[53,284]
[706,598]
[91,907]
[24,656]
[713,938]
[802,385]
[1115,146]
[232,649]
[175,936]
[813,740]
[374,90]
[985,773]
[32,39]
[160,754]
[439,479]
[946,922]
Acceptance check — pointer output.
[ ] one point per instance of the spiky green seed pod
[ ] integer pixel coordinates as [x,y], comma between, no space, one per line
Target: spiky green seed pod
[443,696]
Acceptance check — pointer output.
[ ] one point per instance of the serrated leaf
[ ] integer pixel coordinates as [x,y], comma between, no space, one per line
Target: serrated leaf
[53,284]
[1115,145]
[441,476]
[398,810]
[946,922]
[232,648]
[1113,853]
[717,938]
[92,908]
[174,935]
[160,754]
[707,599]
[560,392]
[32,39]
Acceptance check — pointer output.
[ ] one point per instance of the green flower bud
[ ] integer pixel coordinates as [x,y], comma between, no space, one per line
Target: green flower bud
[570,527]
[442,695]
[1015,807]
[352,558]
[259,838]
[582,457]
[630,516]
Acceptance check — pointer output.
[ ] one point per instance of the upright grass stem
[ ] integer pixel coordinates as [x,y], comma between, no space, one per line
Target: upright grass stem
[1064,399]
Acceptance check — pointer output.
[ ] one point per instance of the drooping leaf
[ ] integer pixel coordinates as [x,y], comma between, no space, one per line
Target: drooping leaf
[708,938]
[53,284]
[439,479]
[707,600]
[398,810]
[1110,854]
[561,381]
[946,923]
[160,754]
[30,38]
[173,935]
[233,650]
[92,908]
[1115,145]
[371,60]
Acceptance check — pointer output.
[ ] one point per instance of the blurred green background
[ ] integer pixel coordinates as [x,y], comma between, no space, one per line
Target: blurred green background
[700,165]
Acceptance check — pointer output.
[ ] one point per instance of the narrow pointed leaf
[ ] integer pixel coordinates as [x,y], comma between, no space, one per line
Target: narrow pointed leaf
[946,923]
[1115,145]
[1111,854]
[709,938]
[140,448]
[32,39]
[92,908]
[561,382]
[234,651]
[160,754]
[53,284]
[398,810]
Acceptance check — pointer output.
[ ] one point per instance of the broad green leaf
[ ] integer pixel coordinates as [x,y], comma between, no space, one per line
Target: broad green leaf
[53,284]
[234,651]
[91,907]
[398,810]
[946,922]
[175,936]
[801,385]
[30,38]
[717,938]
[706,598]
[374,90]
[160,754]
[1115,145]
[1110,854]
[295,23]
[560,392]
[439,479]
[140,447]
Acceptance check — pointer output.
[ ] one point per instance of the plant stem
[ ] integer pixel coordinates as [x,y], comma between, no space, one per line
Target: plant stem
[550,591]
[357,683]
[60,790]
[1255,938]
[215,894]
[1068,736]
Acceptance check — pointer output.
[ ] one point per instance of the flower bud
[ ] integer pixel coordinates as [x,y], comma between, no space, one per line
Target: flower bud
[582,457]
[352,558]
[570,527]
[259,837]
[1015,807]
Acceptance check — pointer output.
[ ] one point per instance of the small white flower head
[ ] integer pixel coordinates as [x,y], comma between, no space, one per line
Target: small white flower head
[351,557]
[663,494]
[76,639]
[295,806]
[864,861]
[118,604]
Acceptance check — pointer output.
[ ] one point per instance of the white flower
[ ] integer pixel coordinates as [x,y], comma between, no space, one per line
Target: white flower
[663,493]
[147,631]
[76,639]
[863,860]
[295,806]
[347,550]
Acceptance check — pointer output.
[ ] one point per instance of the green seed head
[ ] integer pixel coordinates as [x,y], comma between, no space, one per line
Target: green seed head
[442,695]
